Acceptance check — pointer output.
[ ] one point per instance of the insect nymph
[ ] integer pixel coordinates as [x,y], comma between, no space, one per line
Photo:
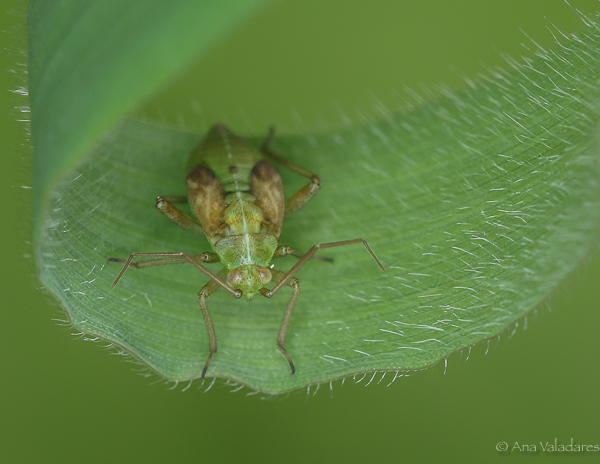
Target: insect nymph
[237,195]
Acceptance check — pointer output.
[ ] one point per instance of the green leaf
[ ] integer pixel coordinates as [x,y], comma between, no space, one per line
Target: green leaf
[478,204]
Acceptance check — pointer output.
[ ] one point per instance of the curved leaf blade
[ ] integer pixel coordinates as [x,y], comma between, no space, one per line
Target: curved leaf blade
[478,204]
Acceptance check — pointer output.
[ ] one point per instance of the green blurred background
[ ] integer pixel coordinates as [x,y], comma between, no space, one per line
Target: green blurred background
[303,66]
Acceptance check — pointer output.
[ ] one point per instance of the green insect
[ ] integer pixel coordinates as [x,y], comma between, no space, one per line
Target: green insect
[237,195]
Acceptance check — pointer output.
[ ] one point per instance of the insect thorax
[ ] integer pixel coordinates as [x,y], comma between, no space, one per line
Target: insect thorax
[246,249]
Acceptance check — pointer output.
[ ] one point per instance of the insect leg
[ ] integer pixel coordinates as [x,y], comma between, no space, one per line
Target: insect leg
[188,259]
[175,198]
[311,252]
[302,196]
[206,291]
[278,276]
[178,216]
[204,258]
[282,251]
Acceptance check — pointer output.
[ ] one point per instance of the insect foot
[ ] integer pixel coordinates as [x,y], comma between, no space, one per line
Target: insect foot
[287,356]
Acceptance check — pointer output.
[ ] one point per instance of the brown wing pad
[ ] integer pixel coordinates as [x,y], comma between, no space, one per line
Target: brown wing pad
[266,186]
[207,198]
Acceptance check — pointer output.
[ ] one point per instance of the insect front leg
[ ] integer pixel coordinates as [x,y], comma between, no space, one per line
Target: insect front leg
[188,259]
[283,251]
[203,258]
[206,291]
[177,216]
[302,196]
[309,254]
[278,276]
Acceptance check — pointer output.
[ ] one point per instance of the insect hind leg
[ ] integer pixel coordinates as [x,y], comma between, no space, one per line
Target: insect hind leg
[302,196]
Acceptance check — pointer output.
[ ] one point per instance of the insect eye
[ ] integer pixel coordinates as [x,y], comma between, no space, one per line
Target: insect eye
[265,275]
[234,278]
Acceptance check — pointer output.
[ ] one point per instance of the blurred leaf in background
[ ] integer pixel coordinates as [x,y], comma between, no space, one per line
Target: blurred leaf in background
[418,401]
